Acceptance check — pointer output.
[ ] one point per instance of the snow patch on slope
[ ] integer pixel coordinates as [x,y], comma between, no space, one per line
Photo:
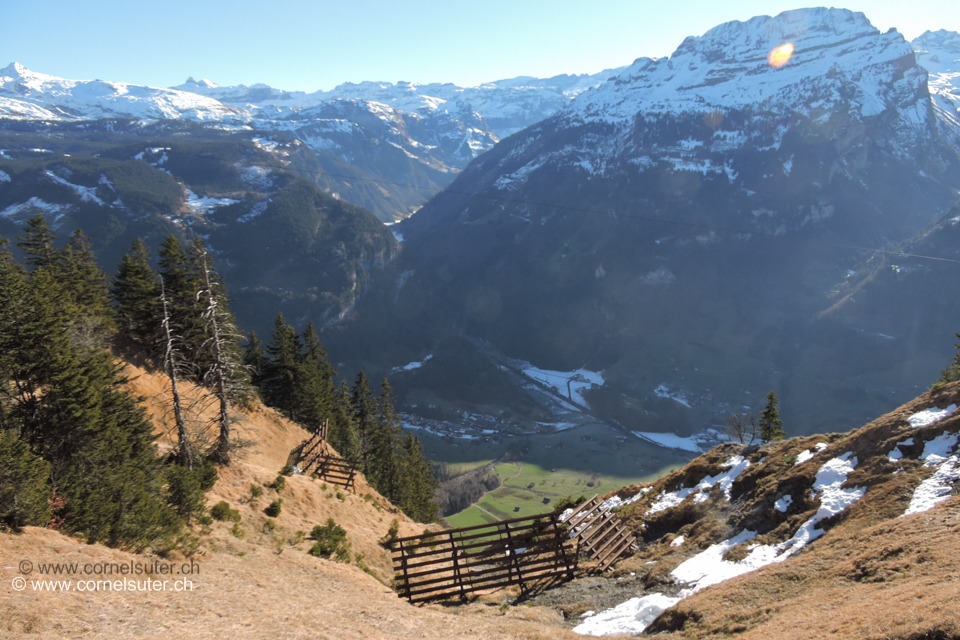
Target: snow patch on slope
[929,416]
[708,567]
[701,492]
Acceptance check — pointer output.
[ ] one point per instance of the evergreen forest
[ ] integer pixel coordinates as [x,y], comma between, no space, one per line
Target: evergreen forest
[77,449]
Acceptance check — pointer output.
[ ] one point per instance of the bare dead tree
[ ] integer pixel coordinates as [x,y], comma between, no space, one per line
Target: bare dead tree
[183,445]
[742,426]
[222,334]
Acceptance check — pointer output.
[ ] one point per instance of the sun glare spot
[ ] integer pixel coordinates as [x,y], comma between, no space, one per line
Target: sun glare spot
[780,55]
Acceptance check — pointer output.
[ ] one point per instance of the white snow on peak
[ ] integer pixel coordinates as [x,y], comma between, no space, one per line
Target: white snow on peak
[728,68]
[930,416]
[939,53]
[28,95]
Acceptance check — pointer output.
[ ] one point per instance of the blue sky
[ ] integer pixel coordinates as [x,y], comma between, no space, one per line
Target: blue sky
[310,45]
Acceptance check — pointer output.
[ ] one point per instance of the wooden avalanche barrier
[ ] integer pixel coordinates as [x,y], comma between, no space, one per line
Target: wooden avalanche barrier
[316,457]
[530,552]
[599,533]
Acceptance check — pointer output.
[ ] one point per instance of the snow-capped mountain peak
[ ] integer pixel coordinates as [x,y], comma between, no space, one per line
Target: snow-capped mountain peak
[28,95]
[729,68]
[939,53]
[201,84]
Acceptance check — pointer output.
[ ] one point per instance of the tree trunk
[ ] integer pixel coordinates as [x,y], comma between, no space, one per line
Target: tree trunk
[183,454]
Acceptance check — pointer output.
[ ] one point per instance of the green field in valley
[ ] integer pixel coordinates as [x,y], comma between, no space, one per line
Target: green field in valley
[544,469]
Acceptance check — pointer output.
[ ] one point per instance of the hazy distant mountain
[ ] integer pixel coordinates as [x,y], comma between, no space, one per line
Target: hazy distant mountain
[401,141]
[507,106]
[691,224]
[278,240]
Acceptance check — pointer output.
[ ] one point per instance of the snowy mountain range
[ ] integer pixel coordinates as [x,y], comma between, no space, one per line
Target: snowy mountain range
[689,223]
[439,127]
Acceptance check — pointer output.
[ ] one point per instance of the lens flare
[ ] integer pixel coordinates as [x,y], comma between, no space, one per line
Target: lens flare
[780,55]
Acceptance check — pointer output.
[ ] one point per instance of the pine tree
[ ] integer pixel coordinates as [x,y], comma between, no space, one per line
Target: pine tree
[24,484]
[384,472]
[37,243]
[181,290]
[418,488]
[73,411]
[951,373]
[15,387]
[770,426]
[314,390]
[255,359]
[364,419]
[283,365]
[137,298]
[86,291]
[343,430]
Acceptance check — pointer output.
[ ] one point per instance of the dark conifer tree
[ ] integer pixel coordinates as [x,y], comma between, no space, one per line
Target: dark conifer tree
[15,385]
[37,243]
[343,429]
[254,359]
[181,290]
[283,367]
[419,486]
[136,293]
[384,473]
[952,373]
[221,358]
[85,286]
[314,390]
[770,426]
[364,417]
[24,484]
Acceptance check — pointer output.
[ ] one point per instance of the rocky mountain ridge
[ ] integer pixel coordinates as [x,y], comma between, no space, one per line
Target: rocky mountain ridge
[671,236]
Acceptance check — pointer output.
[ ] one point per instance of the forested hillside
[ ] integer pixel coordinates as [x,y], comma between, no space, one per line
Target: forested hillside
[279,240]
[78,450]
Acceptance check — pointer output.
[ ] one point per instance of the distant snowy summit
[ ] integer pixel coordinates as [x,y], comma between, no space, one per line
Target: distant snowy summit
[939,53]
[747,84]
[731,67]
[507,106]
[28,95]
[441,126]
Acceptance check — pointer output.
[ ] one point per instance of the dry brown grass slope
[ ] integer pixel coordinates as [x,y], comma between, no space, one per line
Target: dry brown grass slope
[263,585]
